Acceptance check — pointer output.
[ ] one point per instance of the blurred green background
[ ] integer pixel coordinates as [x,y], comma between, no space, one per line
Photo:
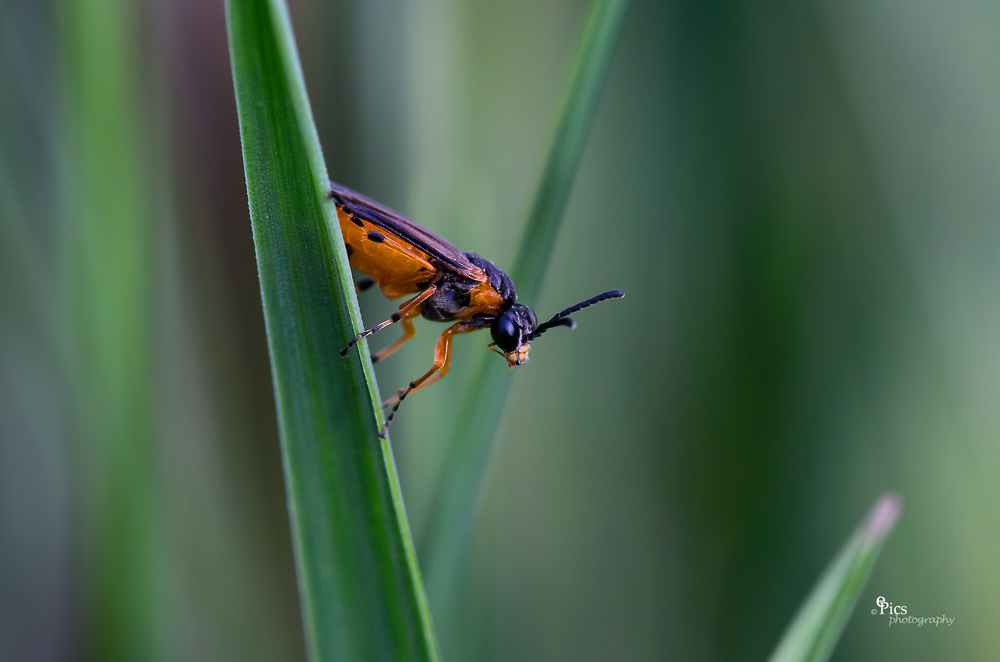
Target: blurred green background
[800,199]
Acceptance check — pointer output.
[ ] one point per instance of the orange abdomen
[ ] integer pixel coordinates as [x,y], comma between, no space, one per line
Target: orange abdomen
[395,264]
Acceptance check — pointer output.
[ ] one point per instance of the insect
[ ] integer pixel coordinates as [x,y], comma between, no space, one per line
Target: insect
[450,285]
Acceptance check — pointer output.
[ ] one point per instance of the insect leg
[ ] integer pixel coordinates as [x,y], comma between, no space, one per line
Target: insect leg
[442,362]
[410,305]
[408,332]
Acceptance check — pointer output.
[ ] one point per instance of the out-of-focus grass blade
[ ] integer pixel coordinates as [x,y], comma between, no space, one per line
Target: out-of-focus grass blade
[813,634]
[455,504]
[360,587]
[110,248]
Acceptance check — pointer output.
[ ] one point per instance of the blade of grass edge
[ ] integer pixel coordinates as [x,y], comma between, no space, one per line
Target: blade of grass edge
[457,498]
[816,628]
[360,588]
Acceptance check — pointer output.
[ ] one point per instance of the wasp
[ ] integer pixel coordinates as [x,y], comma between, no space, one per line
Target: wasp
[450,285]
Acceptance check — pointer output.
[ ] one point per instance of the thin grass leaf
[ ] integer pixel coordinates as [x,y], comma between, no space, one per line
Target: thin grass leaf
[471,446]
[813,634]
[360,587]
[110,252]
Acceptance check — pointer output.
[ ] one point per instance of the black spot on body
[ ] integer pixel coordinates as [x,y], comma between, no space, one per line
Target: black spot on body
[377,237]
[357,221]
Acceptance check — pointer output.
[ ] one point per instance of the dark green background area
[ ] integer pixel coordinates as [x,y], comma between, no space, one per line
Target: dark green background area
[800,200]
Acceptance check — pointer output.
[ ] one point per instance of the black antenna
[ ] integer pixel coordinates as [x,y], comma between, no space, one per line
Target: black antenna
[562,319]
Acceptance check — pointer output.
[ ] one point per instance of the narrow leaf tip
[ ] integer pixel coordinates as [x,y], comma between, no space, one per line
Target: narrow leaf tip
[884,515]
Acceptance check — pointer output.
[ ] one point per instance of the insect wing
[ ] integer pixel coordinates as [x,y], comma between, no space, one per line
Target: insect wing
[387,219]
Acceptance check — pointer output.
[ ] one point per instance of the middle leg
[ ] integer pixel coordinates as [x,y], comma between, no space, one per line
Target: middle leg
[408,332]
[404,311]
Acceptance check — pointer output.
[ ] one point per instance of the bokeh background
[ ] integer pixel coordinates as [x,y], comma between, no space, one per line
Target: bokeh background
[800,198]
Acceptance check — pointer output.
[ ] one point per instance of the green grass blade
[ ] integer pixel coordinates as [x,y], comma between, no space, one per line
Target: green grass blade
[813,634]
[470,448]
[360,587]
[576,116]
[110,252]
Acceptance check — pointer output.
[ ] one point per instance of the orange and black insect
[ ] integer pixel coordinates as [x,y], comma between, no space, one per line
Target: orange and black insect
[404,258]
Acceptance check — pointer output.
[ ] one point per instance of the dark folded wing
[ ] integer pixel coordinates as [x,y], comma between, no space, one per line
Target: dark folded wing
[392,222]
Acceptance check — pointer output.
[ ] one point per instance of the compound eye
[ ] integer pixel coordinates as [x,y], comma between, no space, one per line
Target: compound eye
[505,334]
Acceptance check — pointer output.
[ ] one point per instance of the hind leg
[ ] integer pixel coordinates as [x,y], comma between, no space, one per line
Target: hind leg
[442,362]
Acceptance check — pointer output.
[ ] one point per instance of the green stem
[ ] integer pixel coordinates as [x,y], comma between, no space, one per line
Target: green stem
[470,448]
